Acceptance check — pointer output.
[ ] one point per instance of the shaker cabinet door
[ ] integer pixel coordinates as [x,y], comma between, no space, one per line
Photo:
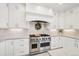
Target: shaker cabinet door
[2,48]
[68,42]
[17,15]
[21,47]
[56,42]
[9,48]
[3,15]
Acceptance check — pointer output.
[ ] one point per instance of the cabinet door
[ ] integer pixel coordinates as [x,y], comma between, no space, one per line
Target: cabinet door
[54,22]
[76,20]
[21,47]
[3,15]
[68,42]
[17,15]
[2,48]
[21,15]
[9,48]
[52,42]
[67,20]
[61,23]
[76,43]
[56,42]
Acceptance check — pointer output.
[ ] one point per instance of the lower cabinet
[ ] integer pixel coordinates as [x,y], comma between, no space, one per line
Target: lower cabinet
[76,43]
[65,42]
[2,48]
[21,47]
[14,47]
[68,42]
[56,42]
[9,48]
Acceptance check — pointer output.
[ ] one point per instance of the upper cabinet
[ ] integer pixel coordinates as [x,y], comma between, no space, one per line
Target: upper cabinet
[36,12]
[54,22]
[69,20]
[13,15]
[3,15]
[65,20]
[17,15]
[39,10]
[61,23]
[76,18]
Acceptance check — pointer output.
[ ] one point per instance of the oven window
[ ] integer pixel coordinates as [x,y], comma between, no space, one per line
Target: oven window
[45,44]
[34,46]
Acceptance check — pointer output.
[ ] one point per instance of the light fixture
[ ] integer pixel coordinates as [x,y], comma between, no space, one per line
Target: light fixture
[16,29]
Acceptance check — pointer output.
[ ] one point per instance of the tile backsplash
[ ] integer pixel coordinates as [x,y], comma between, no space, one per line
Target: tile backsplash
[7,34]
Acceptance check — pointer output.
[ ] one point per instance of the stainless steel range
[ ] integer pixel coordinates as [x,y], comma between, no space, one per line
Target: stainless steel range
[40,43]
[39,37]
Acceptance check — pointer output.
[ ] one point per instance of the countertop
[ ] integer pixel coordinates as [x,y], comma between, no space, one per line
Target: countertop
[74,35]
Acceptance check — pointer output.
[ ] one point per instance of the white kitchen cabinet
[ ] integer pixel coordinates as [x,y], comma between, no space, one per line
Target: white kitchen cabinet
[38,10]
[14,47]
[68,42]
[70,20]
[61,21]
[6,48]
[17,15]
[2,48]
[54,22]
[76,20]
[65,20]
[52,42]
[64,42]
[21,47]
[74,17]
[9,48]
[56,42]
[3,16]
[76,43]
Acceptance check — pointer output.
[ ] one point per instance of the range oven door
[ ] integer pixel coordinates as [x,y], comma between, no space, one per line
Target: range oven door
[45,46]
[34,47]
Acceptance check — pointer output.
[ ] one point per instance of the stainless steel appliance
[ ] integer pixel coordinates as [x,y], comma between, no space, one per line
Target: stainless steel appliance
[39,44]
[39,38]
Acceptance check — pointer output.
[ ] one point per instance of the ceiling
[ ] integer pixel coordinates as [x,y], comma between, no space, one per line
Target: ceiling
[58,7]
